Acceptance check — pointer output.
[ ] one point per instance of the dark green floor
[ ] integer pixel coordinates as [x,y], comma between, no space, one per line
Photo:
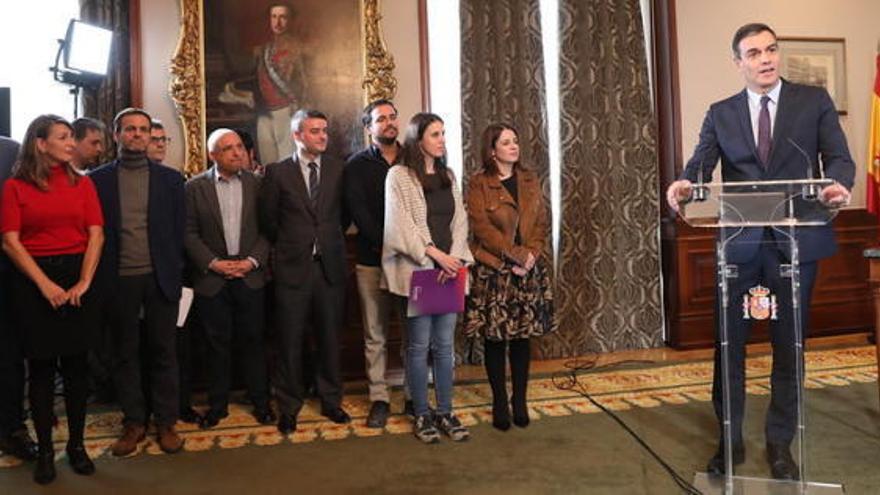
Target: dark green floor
[574,454]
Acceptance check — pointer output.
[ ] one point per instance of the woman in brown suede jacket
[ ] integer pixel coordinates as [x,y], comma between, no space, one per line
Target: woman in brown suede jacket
[510,299]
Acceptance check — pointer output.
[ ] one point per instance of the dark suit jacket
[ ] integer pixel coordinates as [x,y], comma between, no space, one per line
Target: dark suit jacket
[805,114]
[166,221]
[204,232]
[8,155]
[292,225]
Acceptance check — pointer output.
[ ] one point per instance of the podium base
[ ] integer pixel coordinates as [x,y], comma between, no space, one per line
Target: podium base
[741,485]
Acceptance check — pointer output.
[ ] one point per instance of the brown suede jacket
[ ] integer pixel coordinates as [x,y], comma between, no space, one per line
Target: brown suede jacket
[494,218]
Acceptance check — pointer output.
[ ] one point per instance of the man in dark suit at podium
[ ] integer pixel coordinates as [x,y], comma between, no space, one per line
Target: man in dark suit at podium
[764,133]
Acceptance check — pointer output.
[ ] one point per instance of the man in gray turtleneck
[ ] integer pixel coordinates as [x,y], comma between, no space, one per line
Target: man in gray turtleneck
[141,268]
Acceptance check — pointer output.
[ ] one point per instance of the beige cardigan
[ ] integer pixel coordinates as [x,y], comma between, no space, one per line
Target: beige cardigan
[407,235]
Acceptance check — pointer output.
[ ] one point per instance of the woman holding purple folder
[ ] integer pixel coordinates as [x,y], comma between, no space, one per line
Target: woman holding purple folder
[426,228]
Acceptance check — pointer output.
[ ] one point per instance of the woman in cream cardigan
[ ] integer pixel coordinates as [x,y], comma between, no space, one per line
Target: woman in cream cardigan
[426,227]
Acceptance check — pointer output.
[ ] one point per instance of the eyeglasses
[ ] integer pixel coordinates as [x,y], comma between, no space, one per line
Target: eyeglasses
[162,139]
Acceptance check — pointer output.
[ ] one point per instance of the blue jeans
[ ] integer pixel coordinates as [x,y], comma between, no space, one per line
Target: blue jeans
[435,333]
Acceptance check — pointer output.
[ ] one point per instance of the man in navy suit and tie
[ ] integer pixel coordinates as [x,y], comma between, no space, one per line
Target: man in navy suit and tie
[757,134]
[302,215]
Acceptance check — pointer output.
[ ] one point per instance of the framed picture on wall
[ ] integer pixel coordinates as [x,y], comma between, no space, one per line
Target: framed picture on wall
[251,65]
[817,62]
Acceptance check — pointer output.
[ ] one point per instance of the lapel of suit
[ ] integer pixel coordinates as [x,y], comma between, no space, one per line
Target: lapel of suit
[154,196]
[209,191]
[783,121]
[248,200]
[111,216]
[300,185]
[326,178]
[745,122]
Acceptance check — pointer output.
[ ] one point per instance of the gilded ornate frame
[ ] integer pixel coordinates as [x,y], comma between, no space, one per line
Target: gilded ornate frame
[188,76]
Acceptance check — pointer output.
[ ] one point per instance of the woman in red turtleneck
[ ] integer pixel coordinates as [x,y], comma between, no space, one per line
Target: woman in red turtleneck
[52,231]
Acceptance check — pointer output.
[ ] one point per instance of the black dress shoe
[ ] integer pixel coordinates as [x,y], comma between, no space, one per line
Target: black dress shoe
[521,420]
[190,415]
[782,465]
[264,415]
[337,415]
[212,419]
[44,473]
[79,460]
[378,416]
[716,466]
[501,416]
[286,423]
[19,444]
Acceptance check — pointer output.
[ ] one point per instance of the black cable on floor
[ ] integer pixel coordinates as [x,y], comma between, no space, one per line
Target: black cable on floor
[570,381]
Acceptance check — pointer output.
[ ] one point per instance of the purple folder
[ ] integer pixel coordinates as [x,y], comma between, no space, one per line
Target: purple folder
[427,296]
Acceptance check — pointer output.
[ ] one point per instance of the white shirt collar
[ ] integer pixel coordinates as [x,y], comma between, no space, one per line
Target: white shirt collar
[755,98]
[301,160]
[220,178]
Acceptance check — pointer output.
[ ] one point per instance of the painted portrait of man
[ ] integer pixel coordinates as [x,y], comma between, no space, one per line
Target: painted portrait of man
[266,59]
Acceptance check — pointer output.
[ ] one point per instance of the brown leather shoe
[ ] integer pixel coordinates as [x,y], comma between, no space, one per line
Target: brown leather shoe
[132,435]
[169,441]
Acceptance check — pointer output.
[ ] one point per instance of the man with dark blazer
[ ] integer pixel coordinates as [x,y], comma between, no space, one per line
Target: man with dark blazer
[302,215]
[140,272]
[763,133]
[227,259]
[14,436]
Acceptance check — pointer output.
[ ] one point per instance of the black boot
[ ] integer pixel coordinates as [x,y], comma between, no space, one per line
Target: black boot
[79,460]
[520,356]
[494,359]
[44,472]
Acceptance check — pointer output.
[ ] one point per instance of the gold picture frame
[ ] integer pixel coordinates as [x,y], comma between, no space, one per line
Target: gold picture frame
[187,87]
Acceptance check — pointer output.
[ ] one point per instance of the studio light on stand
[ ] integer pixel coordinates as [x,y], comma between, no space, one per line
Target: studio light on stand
[85,53]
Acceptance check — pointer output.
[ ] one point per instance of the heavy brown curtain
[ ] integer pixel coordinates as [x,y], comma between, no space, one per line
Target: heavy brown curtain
[502,80]
[114,93]
[502,77]
[608,291]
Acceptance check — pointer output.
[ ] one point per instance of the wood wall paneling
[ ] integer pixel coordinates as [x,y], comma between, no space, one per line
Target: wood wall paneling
[841,299]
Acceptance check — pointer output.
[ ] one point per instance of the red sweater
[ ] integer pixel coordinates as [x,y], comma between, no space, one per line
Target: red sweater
[51,222]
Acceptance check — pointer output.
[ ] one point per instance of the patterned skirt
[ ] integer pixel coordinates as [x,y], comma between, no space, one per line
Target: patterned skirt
[505,306]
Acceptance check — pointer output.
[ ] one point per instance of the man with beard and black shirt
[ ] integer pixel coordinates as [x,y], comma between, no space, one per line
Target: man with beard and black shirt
[364,186]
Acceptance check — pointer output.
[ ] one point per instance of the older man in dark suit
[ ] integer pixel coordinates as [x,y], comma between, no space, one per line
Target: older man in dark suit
[759,134]
[228,256]
[14,436]
[142,268]
[302,214]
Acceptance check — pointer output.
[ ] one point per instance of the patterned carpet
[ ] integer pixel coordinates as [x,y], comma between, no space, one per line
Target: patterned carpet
[618,389]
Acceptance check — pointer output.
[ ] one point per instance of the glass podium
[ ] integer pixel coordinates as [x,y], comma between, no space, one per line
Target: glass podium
[750,215]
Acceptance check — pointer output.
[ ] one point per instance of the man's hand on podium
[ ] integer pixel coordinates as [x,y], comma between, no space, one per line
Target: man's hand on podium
[835,195]
[678,192]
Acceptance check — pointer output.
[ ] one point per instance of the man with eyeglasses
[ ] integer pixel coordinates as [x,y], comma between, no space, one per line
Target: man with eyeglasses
[157,147]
